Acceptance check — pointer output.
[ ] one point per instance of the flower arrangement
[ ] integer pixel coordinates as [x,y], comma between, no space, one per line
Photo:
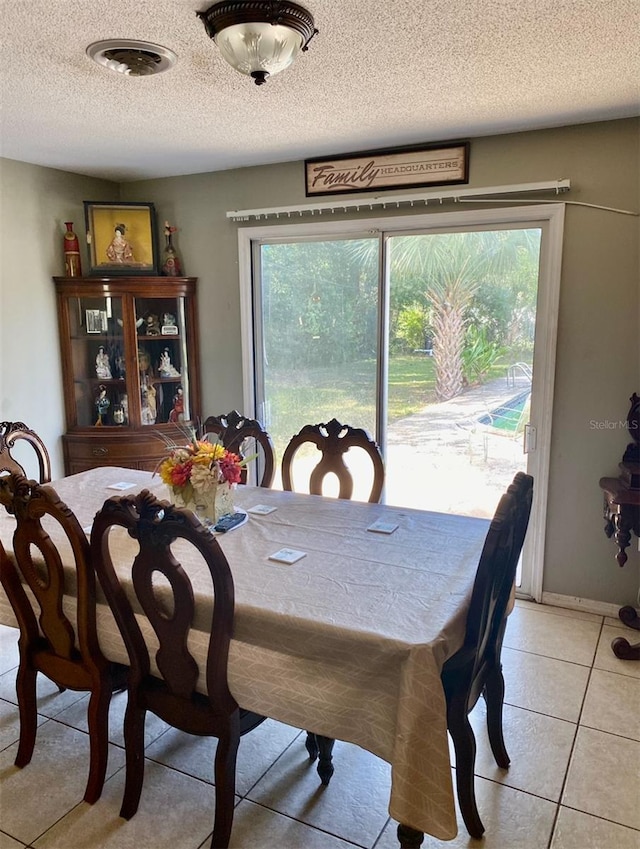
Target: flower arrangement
[202,473]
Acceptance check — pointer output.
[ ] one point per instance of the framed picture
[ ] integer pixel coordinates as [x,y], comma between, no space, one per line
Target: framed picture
[121,237]
[96,321]
[391,168]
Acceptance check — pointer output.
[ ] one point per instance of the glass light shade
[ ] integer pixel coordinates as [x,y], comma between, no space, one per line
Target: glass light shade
[259,47]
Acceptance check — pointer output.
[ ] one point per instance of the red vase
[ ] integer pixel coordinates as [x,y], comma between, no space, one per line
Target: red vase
[72,267]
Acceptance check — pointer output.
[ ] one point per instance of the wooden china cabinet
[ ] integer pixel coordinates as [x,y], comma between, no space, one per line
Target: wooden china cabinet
[130,368]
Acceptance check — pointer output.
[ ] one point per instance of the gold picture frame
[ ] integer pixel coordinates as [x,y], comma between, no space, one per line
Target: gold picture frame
[121,238]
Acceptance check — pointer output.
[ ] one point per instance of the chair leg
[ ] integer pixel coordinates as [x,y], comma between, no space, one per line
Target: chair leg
[134,751]
[409,838]
[311,745]
[225,776]
[28,709]
[494,699]
[325,767]
[98,720]
[464,744]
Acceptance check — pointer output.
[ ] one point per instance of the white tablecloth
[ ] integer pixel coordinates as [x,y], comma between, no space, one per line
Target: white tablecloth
[347,642]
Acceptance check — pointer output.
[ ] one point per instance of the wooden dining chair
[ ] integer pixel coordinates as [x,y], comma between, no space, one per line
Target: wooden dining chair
[233,429]
[476,669]
[12,432]
[334,440]
[49,642]
[170,690]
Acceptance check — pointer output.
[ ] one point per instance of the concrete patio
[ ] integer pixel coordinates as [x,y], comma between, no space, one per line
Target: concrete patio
[442,458]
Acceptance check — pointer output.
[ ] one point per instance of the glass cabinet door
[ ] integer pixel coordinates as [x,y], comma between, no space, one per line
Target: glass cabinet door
[162,360]
[98,360]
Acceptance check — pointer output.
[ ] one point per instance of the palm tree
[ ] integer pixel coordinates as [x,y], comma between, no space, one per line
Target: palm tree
[453,267]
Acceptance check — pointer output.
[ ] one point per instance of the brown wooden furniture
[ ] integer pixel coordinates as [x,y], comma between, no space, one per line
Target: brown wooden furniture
[48,643]
[12,432]
[475,669]
[130,364]
[622,518]
[233,429]
[333,440]
[172,694]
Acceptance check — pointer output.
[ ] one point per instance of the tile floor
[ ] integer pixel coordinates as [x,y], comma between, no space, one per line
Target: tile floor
[572,726]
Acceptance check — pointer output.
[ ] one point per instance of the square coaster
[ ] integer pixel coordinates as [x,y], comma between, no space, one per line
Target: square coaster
[287,555]
[380,527]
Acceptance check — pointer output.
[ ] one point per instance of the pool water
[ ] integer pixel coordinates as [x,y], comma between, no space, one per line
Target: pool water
[508,416]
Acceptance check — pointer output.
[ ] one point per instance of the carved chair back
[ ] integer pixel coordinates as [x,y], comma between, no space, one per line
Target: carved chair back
[233,429]
[171,690]
[12,432]
[66,652]
[334,440]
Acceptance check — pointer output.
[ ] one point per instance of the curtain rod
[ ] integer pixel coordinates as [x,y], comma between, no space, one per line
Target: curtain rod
[384,201]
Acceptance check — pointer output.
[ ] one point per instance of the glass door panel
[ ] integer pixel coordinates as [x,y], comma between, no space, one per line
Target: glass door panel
[162,362]
[317,333]
[462,329]
[98,359]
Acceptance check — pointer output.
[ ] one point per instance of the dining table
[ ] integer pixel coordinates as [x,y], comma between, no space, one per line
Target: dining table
[347,642]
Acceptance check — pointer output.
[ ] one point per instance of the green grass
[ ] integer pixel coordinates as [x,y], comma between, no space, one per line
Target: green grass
[346,392]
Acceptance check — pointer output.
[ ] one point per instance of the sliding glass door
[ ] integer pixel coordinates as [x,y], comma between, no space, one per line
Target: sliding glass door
[427,336]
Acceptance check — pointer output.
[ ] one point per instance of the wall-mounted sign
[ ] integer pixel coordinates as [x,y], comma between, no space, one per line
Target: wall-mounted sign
[379,170]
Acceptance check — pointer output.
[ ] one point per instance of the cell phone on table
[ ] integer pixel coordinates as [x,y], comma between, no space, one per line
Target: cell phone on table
[227,522]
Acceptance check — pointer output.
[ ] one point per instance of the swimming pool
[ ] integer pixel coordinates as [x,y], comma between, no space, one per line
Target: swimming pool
[508,416]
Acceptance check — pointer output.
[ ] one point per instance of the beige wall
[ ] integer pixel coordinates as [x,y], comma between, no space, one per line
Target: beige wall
[34,204]
[598,357]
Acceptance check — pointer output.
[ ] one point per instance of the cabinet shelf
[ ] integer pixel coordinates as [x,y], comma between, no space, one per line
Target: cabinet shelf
[114,419]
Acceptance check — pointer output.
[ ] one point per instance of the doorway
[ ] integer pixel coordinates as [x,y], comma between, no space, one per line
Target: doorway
[436,333]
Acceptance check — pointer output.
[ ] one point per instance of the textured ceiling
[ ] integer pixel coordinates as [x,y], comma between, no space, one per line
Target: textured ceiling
[380,73]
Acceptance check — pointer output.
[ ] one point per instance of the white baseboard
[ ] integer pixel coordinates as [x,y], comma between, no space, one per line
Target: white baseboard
[601,608]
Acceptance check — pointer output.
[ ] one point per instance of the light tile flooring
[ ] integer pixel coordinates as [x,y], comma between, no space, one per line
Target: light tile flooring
[572,726]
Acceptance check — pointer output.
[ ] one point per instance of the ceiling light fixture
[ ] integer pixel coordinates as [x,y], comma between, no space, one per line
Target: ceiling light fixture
[132,58]
[259,38]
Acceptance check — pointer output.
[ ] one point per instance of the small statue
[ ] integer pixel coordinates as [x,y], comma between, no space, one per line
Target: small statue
[177,413]
[119,364]
[171,265]
[148,411]
[168,319]
[166,368]
[102,405]
[632,454]
[103,369]
[152,325]
[144,361]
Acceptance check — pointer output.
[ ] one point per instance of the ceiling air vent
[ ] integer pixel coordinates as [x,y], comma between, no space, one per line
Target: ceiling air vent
[132,58]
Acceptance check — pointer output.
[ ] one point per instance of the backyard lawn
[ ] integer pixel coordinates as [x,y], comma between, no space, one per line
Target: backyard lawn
[308,396]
